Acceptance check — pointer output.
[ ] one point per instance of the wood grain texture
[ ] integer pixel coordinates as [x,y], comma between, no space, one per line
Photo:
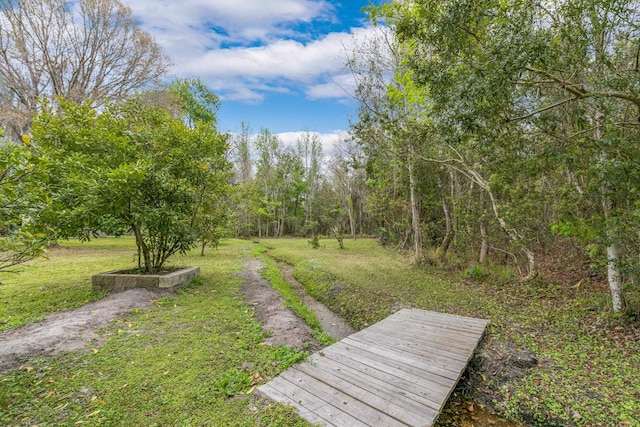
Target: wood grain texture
[397,372]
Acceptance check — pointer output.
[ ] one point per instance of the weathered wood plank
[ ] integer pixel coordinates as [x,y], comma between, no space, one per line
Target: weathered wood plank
[341,400]
[384,389]
[436,335]
[387,403]
[398,372]
[399,357]
[416,343]
[411,382]
[435,357]
[436,341]
[403,370]
[276,392]
[431,317]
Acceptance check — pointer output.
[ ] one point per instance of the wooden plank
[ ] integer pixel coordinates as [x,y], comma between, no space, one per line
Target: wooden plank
[416,343]
[397,372]
[409,324]
[341,401]
[441,358]
[403,370]
[274,392]
[400,357]
[436,340]
[441,336]
[387,387]
[452,322]
[445,318]
[388,373]
[401,410]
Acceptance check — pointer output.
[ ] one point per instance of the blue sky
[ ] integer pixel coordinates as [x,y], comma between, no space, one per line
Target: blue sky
[276,64]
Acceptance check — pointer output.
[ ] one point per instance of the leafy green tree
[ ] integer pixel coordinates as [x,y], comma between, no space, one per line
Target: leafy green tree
[22,199]
[131,167]
[537,103]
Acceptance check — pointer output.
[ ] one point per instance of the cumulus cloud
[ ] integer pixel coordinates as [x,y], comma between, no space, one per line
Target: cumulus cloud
[287,59]
[247,50]
[330,141]
[338,86]
[207,24]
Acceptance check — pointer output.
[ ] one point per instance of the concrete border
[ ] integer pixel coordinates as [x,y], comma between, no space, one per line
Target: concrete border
[121,280]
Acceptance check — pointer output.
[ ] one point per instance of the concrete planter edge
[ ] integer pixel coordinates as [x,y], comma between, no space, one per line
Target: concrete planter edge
[120,280]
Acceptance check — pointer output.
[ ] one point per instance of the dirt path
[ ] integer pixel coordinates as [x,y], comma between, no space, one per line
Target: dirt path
[68,330]
[76,329]
[286,328]
[330,322]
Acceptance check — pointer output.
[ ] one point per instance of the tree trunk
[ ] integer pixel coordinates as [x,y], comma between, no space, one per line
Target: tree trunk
[441,252]
[142,247]
[484,244]
[204,244]
[415,211]
[614,277]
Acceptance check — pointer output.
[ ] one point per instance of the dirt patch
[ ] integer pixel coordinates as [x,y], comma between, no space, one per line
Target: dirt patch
[76,329]
[69,330]
[286,328]
[330,322]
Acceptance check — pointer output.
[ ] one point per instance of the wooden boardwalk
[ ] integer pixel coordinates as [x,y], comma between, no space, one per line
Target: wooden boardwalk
[398,372]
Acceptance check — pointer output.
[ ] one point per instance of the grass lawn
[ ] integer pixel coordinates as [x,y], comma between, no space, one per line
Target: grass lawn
[188,360]
[193,359]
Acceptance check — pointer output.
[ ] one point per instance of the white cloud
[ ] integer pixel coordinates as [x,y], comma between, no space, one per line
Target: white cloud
[330,141]
[288,59]
[316,68]
[247,49]
[205,24]
[339,86]
[266,55]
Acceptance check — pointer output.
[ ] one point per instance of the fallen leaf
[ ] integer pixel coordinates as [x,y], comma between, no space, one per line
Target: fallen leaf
[471,408]
[94,350]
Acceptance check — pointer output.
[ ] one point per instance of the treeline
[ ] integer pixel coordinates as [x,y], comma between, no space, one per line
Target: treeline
[296,190]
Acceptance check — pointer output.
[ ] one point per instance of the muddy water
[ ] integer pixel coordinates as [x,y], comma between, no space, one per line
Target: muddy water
[458,412]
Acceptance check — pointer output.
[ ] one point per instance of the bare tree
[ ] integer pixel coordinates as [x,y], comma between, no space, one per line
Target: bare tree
[86,50]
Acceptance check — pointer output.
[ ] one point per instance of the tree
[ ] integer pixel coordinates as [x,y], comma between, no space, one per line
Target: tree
[131,167]
[89,49]
[537,100]
[309,151]
[21,200]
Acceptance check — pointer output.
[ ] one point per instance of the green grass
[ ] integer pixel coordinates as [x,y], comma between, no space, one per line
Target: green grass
[590,373]
[61,281]
[193,359]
